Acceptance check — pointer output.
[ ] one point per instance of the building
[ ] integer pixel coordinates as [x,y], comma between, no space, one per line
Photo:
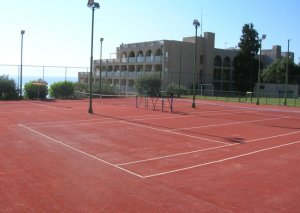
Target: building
[269,55]
[173,61]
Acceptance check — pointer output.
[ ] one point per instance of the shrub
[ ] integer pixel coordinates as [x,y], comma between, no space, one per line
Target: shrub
[7,88]
[149,83]
[35,91]
[62,90]
[81,87]
[174,88]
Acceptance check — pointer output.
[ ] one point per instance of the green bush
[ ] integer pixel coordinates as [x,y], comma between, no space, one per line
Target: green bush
[35,91]
[174,88]
[150,84]
[106,89]
[7,88]
[62,90]
[81,87]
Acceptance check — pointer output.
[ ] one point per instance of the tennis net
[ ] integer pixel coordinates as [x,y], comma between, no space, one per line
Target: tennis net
[118,100]
[164,104]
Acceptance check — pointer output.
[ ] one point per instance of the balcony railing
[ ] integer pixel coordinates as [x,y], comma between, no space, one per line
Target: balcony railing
[120,74]
[140,59]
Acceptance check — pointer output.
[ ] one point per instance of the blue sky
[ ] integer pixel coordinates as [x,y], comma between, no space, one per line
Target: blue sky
[59,32]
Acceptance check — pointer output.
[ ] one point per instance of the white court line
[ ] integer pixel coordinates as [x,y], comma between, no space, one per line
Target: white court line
[193,115]
[79,151]
[109,120]
[21,111]
[258,108]
[201,150]
[221,160]
[78,124]
[274,136]
[170,131]
[175,155]
[225,124]
[67,123]
[51,106]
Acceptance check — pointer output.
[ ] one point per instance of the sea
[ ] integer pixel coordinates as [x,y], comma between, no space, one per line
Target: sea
[49,79]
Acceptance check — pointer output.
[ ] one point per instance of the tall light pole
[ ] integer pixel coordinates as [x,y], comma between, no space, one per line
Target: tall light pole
[21,67]
[161,65]
[100,78]
[196,23]
[179,80]
[287,73]
[259,71]
[93,5]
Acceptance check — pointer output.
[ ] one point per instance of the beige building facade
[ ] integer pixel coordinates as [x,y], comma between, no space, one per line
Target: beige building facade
[173,61]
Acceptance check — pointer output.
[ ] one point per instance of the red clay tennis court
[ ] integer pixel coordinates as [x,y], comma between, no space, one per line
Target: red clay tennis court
[219,157]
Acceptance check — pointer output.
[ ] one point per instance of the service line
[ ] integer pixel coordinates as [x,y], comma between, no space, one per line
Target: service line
[80,151]
[172,132]
[222,160]
[232,123]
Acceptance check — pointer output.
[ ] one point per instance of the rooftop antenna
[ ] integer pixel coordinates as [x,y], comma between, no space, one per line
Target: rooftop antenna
[201,25]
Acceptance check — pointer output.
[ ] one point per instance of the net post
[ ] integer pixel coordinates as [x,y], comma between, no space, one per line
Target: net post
[136,101]
[162,103]
[171,104]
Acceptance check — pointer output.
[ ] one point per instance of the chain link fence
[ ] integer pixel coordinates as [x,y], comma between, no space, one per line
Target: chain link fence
[50,74]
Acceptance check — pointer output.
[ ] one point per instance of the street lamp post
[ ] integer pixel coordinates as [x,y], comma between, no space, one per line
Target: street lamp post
[259,71]
[100,77]
[196,23]
[161,66]
[93,5]
[21,67]
[179,80]
[286,73]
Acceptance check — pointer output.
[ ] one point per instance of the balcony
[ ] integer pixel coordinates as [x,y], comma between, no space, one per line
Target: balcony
[131,59]
[158,59]
[149,58]
[140,59]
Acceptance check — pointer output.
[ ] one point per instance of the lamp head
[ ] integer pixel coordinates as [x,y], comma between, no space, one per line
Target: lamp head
[22,32]
[196,23]
[93,4]
[96,5]
[264,36]
[101,39]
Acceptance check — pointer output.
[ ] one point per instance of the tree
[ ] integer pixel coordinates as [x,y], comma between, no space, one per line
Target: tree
[7,88]
[150,84]
[245,63]
[276,72]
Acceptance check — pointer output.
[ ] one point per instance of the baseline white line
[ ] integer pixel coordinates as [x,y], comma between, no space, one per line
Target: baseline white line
[185,116]
[245,107]
[200,150]
[274,136]
[51,106]
[225,124]
[170,131]
[78,124]
[79,151]
[174,155]
[63,122]
[222,160]
[67,123]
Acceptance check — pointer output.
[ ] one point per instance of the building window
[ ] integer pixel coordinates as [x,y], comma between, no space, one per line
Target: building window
[218,61]
[226,74]
[201,59]
[217,74]
[227,62]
